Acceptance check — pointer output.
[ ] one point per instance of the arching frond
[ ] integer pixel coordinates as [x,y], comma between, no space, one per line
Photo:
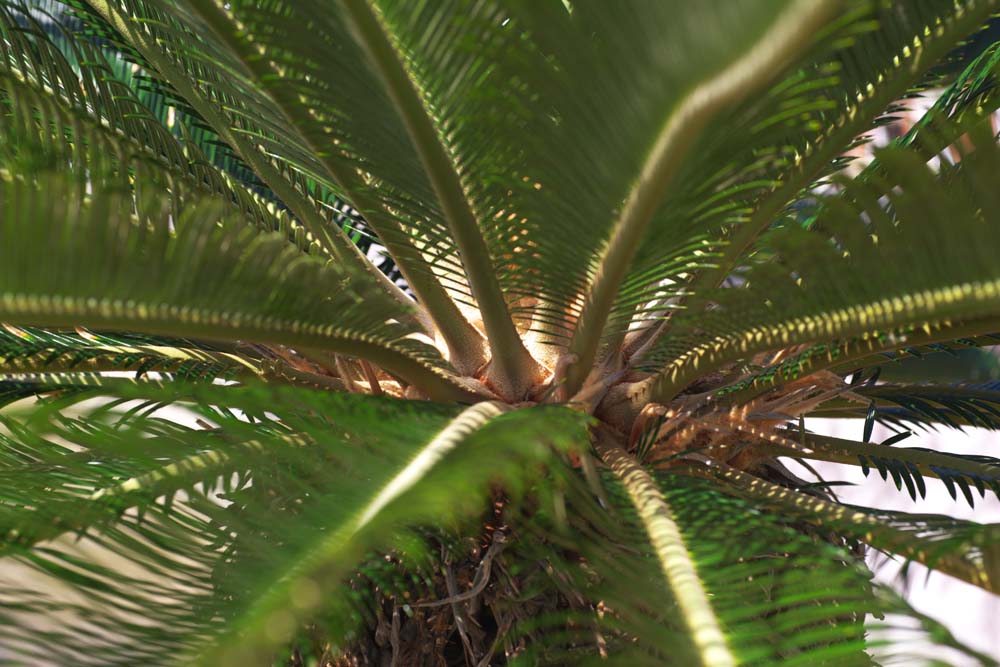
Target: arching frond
[962,549]
[32,350]
[907,465]
[790,33]
[68,100]
[970,97]
[783,597]
[305,111]
[635,259]
[214,104]
[684,581]
[768,154]
[857,359]
[237,528]
[511,366]
[954,406]
[212,279]
[865,243]
[960,360]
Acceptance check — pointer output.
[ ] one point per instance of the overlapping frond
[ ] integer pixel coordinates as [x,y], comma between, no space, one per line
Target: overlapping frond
[963,549]
[242,116]
[65,104]
[969,359]
[325,90]
[543,173]
[28,351]
[547,161]
[238,528]
[928,405]
[970,97]
[907,354]
[318,114]
[763,156]
[682,577]
[784,594]
[210,277]
[791,32]
[909,247]
[907,466]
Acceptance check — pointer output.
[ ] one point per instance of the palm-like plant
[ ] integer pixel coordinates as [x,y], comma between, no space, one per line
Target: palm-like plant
[630,270]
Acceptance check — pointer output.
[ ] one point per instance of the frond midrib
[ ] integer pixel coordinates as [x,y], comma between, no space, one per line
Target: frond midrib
[838,450]
[791,31]
[868,527]
[172,320]
[316,565]
[854,121]
[334,240]
[463,341]
[846,356]
[676,564]
[512,369]
[929,308]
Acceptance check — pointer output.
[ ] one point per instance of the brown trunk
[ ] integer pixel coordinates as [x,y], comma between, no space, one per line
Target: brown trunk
[474,614]
[453,625]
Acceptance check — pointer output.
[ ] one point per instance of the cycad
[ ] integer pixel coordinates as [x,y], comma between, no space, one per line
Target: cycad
[630,270]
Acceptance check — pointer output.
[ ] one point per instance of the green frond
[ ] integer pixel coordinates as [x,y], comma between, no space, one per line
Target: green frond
[953,406]
[32,350]
[964,550]
[512,369]
[676,565]
[790,33]
[230,24]
[526,159]
[862,269]
[783,593]
[882,65]
[906,465]
[763,157]
[242,117]
[213,279]
[547,163]
[200,463]
[857,357]
[237,529]
[967,359]
[967,100]
[13,391]
[52,115]
[169,107]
